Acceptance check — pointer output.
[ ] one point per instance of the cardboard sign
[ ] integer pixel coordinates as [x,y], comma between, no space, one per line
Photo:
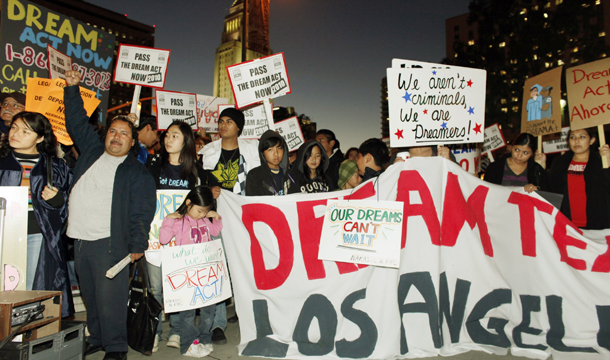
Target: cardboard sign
[559,142]
[256,80]
[588,94]
[256,122]
[26,30]
[362,232]
[194,276]
[431,104]
[59,63]
[468,156]
[14,242]
[142,66]
[207,112]
[494,139]
[541,110]
[291,132]
[173,106]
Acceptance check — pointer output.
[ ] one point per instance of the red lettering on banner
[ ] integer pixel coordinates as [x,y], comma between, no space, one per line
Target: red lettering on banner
[364,192]
[602,263]
[563,240]
[456,211]
[411,180]
[276,220]
[526,205]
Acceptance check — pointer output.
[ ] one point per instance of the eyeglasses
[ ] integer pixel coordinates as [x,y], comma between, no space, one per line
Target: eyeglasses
[14,105]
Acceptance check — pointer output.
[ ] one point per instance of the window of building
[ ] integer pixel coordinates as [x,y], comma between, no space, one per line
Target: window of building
[574,60]
[502,44]
[470,42]
[456,37]
[559,62]
[602,33]
[456,28]
[515,109]
[504,110]
[547,5]
[557,2]
[502,101]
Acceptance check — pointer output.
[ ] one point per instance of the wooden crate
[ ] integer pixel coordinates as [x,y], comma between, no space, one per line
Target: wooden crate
[48,325]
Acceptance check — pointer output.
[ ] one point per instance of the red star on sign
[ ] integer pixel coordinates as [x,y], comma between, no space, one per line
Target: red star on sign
[477,128]
[399,134]
[425,111]
[469,83]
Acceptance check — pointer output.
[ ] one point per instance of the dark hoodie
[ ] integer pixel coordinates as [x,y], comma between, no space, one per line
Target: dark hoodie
[297,182]
[260,180]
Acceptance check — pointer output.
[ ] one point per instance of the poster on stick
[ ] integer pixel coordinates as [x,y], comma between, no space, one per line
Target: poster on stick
[494,139]
[194,276]
[59,63]
[588,91]
[256,122]
[291,132]
[558,143]
[175,106]
[468,156]
[541,109]
[207,111]
[256,80]
[431,104]
[139,65]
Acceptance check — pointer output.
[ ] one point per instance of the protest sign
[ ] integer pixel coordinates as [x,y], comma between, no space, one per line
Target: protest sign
[558,143]
[255,121]
[259,79]
[588,92]
[59,63]
[175,106]
[494,139]
[468,156]
[431,104]
[194,276]
[291,132]
[541,110]
[14,237]
[139,65]
[27,29]
[362,232]
[482,267]
[168,201]
[207,112]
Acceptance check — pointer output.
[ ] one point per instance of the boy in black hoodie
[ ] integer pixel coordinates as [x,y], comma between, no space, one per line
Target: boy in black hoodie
[267,178]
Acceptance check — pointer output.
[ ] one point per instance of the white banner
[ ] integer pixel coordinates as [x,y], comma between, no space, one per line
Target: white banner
[59,63]
[291,132]
[207,111]
[173,106]
[140,65]
[432,104]
[194,276]
[482,267]
[494,139]
[558,144]
[256,122]
[259,79]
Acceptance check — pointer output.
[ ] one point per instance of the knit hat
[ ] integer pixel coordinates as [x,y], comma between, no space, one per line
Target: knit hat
[347,169]
[236,115]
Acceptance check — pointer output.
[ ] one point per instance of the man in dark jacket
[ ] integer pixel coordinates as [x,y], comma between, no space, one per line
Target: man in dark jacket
[331,145]
[111,205]
[373,155]
[267,178]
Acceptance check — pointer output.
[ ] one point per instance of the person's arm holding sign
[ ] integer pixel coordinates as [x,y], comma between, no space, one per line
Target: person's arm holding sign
[604,151]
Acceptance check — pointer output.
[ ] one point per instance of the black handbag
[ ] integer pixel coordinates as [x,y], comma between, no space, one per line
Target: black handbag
[142,310]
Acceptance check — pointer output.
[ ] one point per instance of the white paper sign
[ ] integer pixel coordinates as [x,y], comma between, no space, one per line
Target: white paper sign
[15,238]
[256,122]
[362,232]
[194,276]
[432,104]
[468,156]
[140,65]
[172,106]
[207,111]
[59,63]
[259,79]
[557,145]
[493,138]
[168,201]
[291,132]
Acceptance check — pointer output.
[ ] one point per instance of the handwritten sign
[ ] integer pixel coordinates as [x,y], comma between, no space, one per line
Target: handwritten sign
[255,122]
[194,276]
[59,63]
[435,104]
[468,156]
[140,65]
[207,112]
[256,80]
[175,106]
[362,232]
[588,94]
[494,139]
[291,132]
[558,143]
[541,110]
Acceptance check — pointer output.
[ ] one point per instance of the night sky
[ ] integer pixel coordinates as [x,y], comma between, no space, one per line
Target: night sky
[336,52]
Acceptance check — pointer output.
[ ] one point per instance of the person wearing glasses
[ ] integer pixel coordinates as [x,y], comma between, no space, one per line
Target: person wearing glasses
[12,103]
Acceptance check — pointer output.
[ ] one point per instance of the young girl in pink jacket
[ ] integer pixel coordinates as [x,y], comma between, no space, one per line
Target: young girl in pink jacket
[195,221]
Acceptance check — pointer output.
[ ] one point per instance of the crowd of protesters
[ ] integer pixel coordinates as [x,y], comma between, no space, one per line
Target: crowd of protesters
[110,177]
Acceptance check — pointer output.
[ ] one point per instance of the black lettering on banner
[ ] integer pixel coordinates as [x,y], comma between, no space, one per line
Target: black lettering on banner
[603,336]
[264,345]
[365,345]
[320,307]
[477,333]
[557,329]
[455,317]
[422,281]
[529,304]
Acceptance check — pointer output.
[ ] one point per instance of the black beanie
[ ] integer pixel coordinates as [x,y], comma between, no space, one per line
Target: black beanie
[236,115]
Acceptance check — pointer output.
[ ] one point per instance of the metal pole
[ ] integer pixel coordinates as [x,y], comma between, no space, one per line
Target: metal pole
[244,28]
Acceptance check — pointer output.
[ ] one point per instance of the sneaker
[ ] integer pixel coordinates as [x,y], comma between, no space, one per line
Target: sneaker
[174,341]
[209,347]
[218,337]
[156,343]
[196,351]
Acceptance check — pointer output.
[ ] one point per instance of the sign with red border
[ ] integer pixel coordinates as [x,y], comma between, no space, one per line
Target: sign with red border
[139,65]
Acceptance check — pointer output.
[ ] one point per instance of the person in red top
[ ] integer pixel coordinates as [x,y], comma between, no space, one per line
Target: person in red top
[585,184]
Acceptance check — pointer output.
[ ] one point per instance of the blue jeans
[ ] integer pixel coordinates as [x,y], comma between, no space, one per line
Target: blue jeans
[34,245]
[156,284]
[220,316]
[189,332]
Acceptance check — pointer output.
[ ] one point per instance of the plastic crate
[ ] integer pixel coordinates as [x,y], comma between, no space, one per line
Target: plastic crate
[68,344]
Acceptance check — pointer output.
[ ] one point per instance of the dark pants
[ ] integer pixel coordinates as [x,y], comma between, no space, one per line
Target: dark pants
[105,299]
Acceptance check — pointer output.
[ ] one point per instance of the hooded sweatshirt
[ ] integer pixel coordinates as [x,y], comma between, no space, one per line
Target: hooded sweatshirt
[260,179]
[297,182]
